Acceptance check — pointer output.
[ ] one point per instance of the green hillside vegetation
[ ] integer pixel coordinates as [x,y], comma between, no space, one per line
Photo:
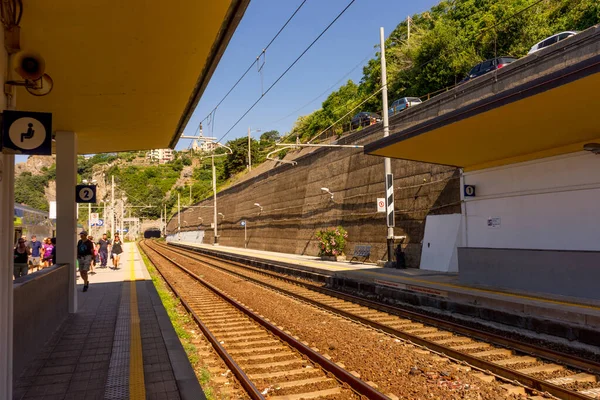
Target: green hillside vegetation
[445,43]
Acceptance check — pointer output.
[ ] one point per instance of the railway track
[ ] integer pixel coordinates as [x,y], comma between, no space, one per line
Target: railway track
[546,371]
[266,361]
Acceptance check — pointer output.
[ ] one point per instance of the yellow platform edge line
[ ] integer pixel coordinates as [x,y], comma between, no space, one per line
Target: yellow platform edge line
[137,386]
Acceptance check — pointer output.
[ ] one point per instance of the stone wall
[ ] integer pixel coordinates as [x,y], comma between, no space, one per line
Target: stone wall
[294,206]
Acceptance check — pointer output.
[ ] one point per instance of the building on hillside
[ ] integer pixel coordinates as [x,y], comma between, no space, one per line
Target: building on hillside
[161,155]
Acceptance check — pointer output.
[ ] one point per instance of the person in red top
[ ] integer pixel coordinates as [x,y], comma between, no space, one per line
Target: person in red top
[85,252]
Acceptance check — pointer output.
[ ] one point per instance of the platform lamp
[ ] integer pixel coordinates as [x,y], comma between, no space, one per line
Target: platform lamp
[326,190]
[222,216]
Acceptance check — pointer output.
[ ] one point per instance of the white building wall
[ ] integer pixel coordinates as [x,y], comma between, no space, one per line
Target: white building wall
[550,204]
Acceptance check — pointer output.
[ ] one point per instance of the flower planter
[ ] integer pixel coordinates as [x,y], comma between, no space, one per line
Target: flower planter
[333,258]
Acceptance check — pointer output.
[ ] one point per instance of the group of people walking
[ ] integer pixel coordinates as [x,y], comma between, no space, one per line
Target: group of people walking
[90,254]
[35,254]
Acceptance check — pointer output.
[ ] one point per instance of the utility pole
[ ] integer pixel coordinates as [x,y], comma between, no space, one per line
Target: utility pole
[89,218]
[389,178]
[249,151]
[408,21]
[112,207]
[178,217]
[190,194]
[214,184]
[122,216]
[165,224]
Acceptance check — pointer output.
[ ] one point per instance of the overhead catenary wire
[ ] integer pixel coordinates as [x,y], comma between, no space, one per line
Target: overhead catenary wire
[255,62]
[325,91]
[288,68]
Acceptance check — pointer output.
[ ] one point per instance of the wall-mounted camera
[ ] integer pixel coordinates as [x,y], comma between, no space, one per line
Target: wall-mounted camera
[31,67]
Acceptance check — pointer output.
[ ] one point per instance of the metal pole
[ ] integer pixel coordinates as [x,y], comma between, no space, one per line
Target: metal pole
[190,194]
[178,218]
[122,217]
[90,218]
[249,151]
[408,19]
[245,237]
[165,222]
[112,207]
[215,215]
[386,132]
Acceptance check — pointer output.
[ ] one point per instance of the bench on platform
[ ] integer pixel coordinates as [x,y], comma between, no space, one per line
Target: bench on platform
[362,250]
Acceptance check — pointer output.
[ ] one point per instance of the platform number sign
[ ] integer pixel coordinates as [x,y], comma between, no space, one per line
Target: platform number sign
[85,193]
[25,132]
[469,190]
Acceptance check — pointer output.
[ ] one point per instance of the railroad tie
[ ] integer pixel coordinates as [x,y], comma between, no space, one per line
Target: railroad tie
[516,360]
[582,377]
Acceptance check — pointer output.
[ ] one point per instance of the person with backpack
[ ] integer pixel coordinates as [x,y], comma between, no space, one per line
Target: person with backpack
[85,252]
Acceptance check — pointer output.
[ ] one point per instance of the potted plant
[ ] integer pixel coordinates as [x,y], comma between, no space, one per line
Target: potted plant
[332,242]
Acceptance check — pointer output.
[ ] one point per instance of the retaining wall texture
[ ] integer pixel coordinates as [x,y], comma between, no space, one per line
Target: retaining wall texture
[294,206]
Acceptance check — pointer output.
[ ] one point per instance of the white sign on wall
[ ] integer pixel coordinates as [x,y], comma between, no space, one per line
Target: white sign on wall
[493,222]
[94,217]
[52,212]
[381,204]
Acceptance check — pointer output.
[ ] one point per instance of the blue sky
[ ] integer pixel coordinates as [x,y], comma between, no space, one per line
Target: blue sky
[344,46]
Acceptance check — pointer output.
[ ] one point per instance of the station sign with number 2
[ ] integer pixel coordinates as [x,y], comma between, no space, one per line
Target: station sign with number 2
[85,193]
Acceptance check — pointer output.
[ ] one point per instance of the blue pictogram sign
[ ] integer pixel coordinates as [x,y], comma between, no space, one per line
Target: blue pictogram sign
[25,132]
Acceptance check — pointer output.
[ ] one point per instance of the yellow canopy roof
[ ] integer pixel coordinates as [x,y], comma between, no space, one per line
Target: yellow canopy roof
[127,74]
[552,115]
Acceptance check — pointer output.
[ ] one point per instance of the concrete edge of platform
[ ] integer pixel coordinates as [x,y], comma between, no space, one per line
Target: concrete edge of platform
[577,324]
[187,382]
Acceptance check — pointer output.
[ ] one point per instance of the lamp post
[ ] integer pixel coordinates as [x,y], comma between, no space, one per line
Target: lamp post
[326,190]
[259,206]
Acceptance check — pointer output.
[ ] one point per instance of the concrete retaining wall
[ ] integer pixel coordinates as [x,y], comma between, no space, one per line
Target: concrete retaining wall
[294,206]
[565,273]
[41,305]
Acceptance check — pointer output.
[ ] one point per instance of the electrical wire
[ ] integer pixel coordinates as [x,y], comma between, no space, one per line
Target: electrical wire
[325,91]
[254,62]
[288,69]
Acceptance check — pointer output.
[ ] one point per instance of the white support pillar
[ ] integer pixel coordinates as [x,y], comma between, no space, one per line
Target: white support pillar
[7,184]
[66,208]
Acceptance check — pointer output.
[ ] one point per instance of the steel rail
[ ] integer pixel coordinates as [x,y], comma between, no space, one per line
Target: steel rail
[505,372]
[245,381]
[358,385]
[548,354]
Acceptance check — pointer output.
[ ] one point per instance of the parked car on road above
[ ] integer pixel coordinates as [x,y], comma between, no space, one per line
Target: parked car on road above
[551,40]
[403,103]
[488,66]
[364,119]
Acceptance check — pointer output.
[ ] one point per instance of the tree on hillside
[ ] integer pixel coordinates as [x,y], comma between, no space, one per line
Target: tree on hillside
[237,161]
[30,189]
[445,43]
[269,136]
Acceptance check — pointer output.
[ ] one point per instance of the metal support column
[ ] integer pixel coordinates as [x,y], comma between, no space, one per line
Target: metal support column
[7,211]
[66,208]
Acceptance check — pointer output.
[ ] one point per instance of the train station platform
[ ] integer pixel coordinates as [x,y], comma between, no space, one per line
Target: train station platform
[119,345]
[569,318]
